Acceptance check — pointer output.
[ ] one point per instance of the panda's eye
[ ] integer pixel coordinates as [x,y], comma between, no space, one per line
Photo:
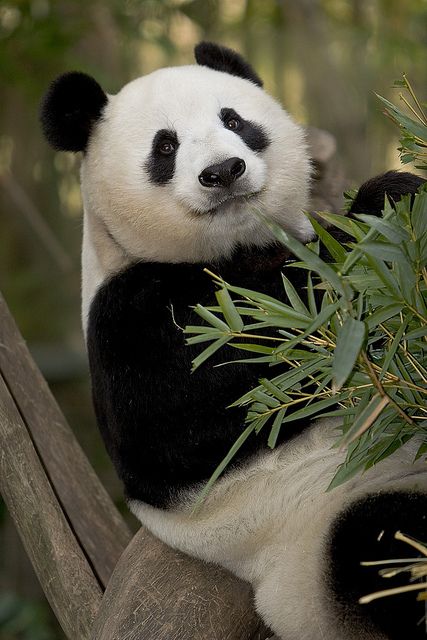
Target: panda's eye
[167,147]
[233,124]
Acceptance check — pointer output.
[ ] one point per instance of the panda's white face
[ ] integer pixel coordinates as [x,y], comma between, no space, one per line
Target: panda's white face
[182,158]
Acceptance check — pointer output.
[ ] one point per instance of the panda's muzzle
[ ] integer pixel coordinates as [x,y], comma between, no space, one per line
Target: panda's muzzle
[222,174]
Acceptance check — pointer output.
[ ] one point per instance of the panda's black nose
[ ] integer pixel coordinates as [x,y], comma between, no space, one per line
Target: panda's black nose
[223,174]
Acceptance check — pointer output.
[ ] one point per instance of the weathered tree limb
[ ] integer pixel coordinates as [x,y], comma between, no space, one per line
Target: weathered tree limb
[98,526]
[62,568]
[157,592]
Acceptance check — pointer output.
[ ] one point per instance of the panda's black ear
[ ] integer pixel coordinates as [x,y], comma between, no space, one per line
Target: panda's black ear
[71,106]
[209,54]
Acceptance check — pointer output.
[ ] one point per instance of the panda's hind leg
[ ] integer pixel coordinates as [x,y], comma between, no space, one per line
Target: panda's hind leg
[365,531]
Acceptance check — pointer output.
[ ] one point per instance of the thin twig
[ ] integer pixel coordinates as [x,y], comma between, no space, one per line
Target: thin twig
[382,391]
[392,592]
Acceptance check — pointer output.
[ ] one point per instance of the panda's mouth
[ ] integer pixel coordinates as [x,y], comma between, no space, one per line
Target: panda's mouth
[224,204]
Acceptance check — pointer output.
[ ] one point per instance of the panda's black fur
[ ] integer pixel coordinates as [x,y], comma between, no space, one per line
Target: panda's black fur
[167,429]
[140,314]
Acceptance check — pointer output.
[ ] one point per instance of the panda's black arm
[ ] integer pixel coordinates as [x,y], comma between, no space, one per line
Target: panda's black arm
[370,196]
[164,427]
[394,184]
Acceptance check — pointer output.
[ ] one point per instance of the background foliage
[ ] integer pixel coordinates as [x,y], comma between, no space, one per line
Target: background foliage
[322,58]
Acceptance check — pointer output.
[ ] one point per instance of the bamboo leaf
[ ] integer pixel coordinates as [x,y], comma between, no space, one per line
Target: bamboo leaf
[211,318]
[419,214]
[229,311]
[203,329]
[382,314]
[385,276]
[255,348]
[274,390]
[313,261]
[344,473]
[310,296]
[209,351]
[355,229]
[321,319]
[391,231]
[336,249]
[223,464]
[392,350]
[365,418]
[417,128]
[350,339]
[204,338]
[422,451]
[384,251]
[420,332]
[315,407]
[275,429]
[269,401]
[293,296]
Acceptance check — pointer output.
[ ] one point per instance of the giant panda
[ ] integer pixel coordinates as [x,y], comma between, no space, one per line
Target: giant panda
[172,167]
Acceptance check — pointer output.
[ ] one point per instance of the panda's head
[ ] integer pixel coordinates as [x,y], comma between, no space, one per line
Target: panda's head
[176,163]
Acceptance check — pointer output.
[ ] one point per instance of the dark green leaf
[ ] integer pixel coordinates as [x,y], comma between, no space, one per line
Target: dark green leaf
[422,450]
[336,249]
[209,351]
[211,318]
[275,429]
[315,407]
[383,251]
[229,311]
[293,296]
[311,259]
[393,349]
[419,214]
[220,468]
[365,418]
[255,348]
[344,472]
[350,339]
[388,229]
[382,314]
[417,128]
[274,390]
[353,228]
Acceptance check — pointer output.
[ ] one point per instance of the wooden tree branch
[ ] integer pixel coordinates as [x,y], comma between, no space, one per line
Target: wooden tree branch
[157,592]
[97,524]
[62,568]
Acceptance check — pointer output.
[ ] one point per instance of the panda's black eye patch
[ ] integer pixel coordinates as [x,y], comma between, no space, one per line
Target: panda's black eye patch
[252,134]
[160,165]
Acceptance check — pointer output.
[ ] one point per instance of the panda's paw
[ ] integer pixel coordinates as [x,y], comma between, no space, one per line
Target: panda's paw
[365,532]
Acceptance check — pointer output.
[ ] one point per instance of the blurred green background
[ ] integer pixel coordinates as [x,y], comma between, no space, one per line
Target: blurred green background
[322,58]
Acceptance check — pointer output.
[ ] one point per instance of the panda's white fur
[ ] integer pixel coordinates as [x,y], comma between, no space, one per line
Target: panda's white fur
[128,218]
[268,520]
[268,523]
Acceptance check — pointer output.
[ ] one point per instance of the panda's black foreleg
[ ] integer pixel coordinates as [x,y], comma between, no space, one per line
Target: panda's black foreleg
[394,184]
[165,428]
[371,195]
[365,532]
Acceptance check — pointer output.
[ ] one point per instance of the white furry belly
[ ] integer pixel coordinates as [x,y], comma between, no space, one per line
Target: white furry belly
[267,522]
